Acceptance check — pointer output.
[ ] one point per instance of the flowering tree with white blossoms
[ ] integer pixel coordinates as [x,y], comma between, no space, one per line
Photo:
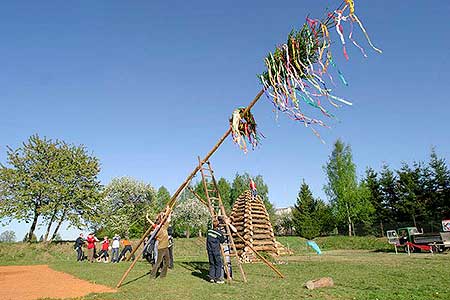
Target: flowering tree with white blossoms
[124,203]
[191,216]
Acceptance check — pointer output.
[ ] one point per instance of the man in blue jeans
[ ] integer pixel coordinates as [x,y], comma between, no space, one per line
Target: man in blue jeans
[213,240]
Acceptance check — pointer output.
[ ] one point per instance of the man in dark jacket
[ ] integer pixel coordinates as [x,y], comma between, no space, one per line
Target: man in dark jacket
[79,242]
[213,240]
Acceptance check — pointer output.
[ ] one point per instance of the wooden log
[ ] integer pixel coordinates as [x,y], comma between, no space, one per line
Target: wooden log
[262,225]
[319,283]
[262,242]
[261,248]
[260,221]
[173,200]
[263,236]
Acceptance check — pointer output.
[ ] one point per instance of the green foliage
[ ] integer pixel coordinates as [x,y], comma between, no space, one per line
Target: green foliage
[225,193]
[439,183]
[241,184]
[8,236]
[238,186]
[311,217]
[409,190]
[350,201]
[48,179]
[303,214]
[162,198]
[375,196]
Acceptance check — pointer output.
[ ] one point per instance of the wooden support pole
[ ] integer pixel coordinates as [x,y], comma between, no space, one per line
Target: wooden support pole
[174,198]
[197,196]
[256,252]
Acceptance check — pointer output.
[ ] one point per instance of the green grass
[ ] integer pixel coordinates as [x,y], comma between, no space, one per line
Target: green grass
[358,274]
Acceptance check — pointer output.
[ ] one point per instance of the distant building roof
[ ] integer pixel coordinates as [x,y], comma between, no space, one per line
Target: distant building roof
[283,210]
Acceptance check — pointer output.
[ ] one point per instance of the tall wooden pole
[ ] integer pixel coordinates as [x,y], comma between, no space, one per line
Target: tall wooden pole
[174,198]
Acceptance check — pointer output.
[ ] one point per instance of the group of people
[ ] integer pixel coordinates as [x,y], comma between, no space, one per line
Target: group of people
[107,246]
[158,247]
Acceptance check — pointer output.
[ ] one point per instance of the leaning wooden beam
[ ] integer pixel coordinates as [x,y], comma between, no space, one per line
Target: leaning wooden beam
[256,252]
[174,198]
[197,196]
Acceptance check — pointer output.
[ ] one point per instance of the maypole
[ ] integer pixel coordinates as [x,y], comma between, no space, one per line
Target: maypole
[174,198]
[297,75]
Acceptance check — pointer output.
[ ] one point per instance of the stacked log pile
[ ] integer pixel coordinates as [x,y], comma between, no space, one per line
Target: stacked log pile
[250,217]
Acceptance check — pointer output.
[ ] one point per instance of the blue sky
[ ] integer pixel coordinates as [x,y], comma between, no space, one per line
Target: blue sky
[147,86]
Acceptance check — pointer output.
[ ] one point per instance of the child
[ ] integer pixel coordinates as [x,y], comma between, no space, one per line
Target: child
[104,253]
[253,189]
[126,247]
[115,249]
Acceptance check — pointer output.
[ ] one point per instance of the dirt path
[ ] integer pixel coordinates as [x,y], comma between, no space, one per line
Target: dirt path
[34,282]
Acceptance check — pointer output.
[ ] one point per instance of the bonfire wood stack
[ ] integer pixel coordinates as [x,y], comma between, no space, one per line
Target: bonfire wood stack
[252,222]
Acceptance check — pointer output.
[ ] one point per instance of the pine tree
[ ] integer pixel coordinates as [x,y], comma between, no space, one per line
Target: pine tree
[409,191]
[389,194]
[304,212]
[440,185]
[382,212]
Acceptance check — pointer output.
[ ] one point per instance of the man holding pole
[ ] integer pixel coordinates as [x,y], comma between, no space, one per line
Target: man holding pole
[162,238]
[213,240]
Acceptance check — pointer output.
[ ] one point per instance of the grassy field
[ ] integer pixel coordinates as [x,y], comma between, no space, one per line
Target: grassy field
[362,268]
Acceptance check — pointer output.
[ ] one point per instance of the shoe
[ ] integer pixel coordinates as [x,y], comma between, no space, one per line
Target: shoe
[211,280]
[220,281]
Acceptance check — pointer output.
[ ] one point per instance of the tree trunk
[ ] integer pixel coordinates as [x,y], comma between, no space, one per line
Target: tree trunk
[349,220]
[188,234]
[33,227]
[353,229]
[52,219]
[382,228]
[61,220]
[414,220]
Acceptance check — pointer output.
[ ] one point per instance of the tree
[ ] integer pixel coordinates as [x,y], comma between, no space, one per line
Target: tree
[124,205]
[162,198]
[303,214]
[241,184]
[324,217]
[284,223]
[225,193]
[410,191]
[439,185]
[238,186]
[48,179]
[388,189]
[348,200]
[382,211]
[190,216]
[8,236]
[77,189]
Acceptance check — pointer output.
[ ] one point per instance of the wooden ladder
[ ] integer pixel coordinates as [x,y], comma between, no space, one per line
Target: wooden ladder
[216,209]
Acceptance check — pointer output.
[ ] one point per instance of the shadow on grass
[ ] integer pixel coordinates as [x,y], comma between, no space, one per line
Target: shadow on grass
[198,269]
[135,279]
[383,251]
